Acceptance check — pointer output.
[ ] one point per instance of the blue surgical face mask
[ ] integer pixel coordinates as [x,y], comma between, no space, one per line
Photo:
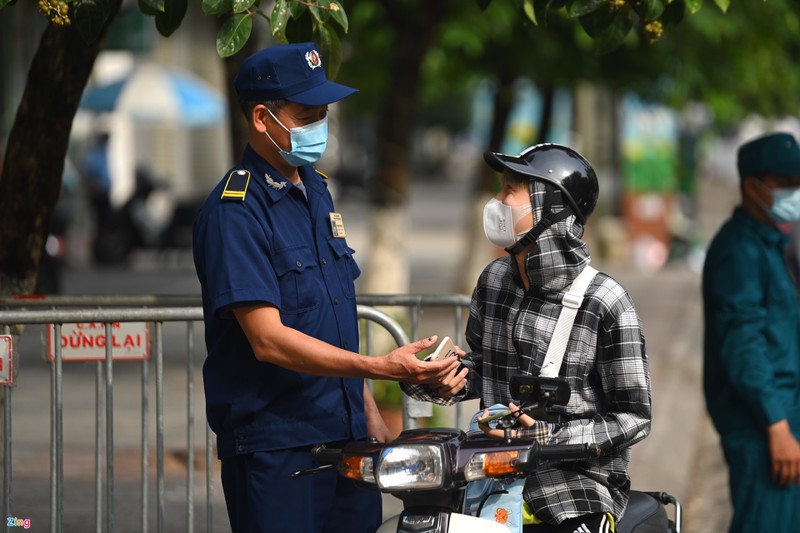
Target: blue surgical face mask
[785,205]
[308,142]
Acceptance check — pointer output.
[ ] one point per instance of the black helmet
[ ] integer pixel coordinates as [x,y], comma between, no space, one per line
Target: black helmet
[560,165]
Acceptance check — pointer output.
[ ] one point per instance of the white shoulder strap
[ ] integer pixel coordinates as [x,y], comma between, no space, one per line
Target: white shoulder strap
[570,304]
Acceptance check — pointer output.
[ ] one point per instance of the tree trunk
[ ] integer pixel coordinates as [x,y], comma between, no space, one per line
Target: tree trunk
[546,122]
[30,181]
[415,30]
[479,251]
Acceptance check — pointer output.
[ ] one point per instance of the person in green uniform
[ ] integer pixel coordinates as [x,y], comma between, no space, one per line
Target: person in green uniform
[751,375]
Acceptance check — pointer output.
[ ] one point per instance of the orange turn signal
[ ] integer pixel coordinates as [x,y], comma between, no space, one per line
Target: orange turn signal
[358,467]
[497,464]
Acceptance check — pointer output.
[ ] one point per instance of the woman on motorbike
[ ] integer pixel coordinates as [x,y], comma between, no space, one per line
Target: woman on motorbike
[548,193]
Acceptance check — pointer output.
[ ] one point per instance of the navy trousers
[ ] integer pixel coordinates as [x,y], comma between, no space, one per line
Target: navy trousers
[262,497]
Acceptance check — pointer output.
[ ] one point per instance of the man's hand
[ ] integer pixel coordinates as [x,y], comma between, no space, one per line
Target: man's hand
[524,419]
[376,426]
[784,452]
[403,364]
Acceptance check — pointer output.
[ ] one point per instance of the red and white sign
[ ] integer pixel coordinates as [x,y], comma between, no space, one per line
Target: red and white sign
[5,360]
[87,341]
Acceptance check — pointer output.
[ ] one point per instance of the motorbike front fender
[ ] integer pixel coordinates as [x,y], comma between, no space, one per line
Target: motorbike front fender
[459,523]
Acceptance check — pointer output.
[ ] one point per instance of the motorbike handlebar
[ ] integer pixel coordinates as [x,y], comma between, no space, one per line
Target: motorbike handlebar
[329,456]
[564,452]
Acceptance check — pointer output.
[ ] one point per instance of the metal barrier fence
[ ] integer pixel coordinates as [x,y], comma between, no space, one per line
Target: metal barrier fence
[108,313]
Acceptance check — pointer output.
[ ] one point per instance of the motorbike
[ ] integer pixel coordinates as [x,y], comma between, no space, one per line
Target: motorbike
[152,218]
[432,471]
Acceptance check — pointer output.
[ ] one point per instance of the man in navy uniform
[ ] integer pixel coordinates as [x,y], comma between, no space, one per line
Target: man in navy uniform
[283,371]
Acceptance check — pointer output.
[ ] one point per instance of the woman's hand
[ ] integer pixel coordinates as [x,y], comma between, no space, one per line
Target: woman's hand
[499,433]
[451,384]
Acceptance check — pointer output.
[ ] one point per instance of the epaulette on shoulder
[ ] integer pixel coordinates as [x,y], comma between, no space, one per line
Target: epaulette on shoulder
[324,176]
[236,186]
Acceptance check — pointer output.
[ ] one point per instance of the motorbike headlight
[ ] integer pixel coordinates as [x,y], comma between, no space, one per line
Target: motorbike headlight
[411,467]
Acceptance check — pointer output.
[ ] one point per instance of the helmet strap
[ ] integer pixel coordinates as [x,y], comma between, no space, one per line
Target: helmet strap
[547,220]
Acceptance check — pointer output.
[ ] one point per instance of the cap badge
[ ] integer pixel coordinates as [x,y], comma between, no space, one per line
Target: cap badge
[277,185]
[313,59]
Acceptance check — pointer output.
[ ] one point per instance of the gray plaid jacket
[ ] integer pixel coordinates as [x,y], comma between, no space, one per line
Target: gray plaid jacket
[508,332]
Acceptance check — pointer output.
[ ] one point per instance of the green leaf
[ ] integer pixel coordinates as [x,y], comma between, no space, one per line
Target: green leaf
[170,20]
[151,7]
[541,8]
[579,8]
[216,7]
[332,51]
[319,14]
[89,18]
[723,5]
[240,6]
[279,19]
[297,8]
[529,10]
[673,13]
[596,22]
[4,3]
[233,34]
[653,9]
[614,34]
[338,14]
[694,5]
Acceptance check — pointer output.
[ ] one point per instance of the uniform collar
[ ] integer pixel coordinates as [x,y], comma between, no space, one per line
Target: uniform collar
[767,233]
[273,181]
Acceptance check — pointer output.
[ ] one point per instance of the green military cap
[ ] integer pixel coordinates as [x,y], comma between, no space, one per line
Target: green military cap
[775,154]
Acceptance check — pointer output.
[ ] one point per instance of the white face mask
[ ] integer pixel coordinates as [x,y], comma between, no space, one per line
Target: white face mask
[500,220]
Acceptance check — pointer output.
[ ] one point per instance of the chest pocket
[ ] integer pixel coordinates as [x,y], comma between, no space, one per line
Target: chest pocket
[346,267]
[296,269]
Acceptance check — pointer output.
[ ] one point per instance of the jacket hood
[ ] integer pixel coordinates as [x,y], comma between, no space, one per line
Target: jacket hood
[559,254]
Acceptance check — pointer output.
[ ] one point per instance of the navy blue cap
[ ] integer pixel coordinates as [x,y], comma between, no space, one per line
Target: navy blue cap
[292,72]
[775,154]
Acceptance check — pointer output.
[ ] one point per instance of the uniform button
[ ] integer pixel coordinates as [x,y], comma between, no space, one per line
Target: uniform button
[336,301]
[324,261]
[241,448]
[344,420]
[346,347]
[240,436]
[299,264]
